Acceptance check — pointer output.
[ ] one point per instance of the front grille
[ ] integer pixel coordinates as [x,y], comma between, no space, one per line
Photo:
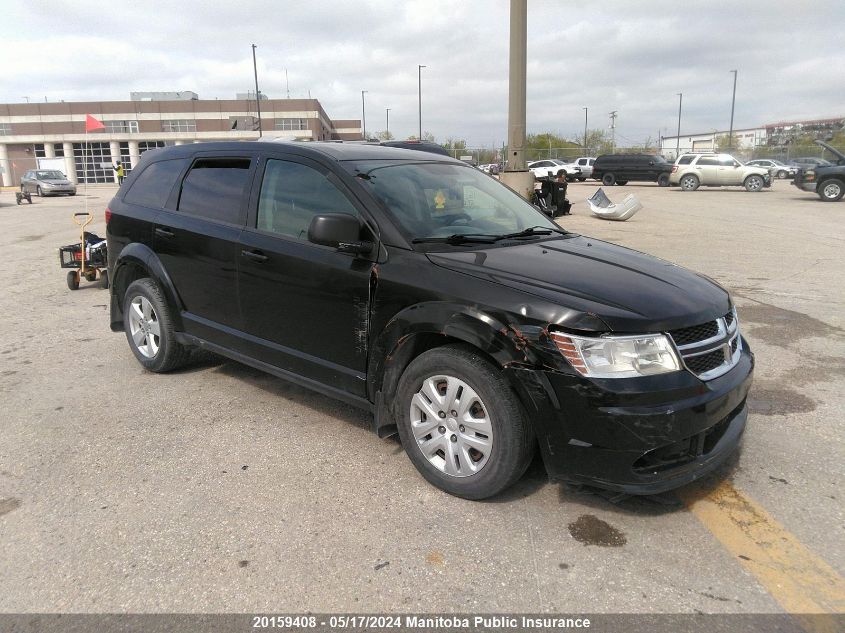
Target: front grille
[709,349]
[705,362]
[687,335]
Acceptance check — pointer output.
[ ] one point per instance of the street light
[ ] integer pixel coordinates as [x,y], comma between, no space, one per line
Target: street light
[733,100]
[387,123]
[419,94]
[257,94]
[678,138]
[364,114]
[585,129]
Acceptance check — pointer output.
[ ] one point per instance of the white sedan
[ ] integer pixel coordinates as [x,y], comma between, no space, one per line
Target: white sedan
[551,166]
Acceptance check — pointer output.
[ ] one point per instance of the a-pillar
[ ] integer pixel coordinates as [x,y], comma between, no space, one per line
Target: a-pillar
[70,163]
[114,150]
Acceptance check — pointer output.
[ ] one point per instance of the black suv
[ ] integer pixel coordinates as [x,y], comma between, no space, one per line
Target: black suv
[421,289]
[618,169]
[827,181]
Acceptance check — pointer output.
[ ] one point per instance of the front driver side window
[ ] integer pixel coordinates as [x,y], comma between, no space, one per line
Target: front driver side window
[292,194]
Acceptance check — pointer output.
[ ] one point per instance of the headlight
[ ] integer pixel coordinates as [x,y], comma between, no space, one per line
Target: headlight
[618,356]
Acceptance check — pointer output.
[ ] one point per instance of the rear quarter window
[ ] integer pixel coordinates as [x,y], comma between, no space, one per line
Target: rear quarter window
[214,189]
[685,160]
[152,187]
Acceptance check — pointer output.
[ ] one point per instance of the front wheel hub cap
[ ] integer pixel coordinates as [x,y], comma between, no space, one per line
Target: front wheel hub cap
[466,447]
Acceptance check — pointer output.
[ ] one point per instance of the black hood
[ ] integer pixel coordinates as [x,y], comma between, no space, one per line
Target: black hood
[628,290]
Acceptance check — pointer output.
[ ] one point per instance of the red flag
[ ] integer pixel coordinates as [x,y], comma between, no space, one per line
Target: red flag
[92,124]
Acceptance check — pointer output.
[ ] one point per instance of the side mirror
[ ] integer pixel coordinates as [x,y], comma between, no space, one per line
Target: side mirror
[339,230]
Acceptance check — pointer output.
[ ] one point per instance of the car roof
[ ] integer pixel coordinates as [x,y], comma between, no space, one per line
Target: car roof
[316,149]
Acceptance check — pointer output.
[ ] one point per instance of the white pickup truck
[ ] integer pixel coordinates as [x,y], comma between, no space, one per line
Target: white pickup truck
[584,164]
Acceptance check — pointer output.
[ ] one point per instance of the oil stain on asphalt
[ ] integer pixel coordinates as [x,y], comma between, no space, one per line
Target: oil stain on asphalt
[769,400]
[590,530]
[781,327]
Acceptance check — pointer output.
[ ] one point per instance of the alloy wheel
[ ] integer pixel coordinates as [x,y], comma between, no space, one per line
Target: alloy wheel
[144,327]
[832,190]
[452,426]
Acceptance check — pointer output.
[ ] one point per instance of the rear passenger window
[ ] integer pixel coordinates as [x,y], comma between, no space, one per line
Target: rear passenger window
[152,187]
[214,189]
[708,160]
[292,194]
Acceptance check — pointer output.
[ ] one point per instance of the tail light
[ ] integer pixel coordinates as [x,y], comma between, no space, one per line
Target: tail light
[108,215]
[674,168]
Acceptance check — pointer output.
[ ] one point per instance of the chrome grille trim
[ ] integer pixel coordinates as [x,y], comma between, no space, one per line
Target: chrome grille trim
[728,340]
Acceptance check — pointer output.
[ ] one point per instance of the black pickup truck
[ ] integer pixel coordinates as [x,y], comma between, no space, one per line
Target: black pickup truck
[826,181]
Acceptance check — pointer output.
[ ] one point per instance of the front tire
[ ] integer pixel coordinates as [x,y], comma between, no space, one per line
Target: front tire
[461,424]
[754,183]
[830,190]
[782,174]
[608,180]
[38,192]
[148,323]
[73,280]
[689,182]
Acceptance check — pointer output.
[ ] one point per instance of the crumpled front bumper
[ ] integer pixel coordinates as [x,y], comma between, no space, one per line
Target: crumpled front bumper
[639,436]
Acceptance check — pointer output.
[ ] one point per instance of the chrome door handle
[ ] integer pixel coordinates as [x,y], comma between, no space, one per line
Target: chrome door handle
[256,256]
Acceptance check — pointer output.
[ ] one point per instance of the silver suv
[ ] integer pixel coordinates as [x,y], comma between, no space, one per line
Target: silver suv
[691,171]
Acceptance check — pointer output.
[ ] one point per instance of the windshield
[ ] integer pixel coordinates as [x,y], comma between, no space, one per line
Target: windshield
[49,175]
[437,200]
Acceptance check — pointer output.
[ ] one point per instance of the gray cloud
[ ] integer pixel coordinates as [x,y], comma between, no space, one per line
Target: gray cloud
[624,56]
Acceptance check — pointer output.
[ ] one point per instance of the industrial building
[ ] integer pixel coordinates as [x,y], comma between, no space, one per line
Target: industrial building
[33,131]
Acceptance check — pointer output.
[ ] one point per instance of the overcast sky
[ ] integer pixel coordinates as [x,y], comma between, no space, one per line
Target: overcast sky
[633,57]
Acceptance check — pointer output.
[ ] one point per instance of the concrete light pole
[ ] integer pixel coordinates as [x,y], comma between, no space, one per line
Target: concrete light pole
[364,114]
[257,94]
[733,100]
[419,95]
[678,138]
[516,176]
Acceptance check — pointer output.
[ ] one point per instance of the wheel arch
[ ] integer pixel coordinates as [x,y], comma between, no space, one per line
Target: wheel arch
[137,261]
[423,327]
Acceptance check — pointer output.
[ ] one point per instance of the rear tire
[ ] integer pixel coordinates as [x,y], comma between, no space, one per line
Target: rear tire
[104,278]
[581,179]
[831,190]
[754,183]
[148,323]
[663,180]
[38,192]
[483,442]
[689,182]
[608,180]
[72,280]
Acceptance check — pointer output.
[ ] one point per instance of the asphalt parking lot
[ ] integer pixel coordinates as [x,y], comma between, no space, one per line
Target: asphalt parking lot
[221,489]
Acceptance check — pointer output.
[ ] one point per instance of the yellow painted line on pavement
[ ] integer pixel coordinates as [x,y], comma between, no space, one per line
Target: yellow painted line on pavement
[796,577]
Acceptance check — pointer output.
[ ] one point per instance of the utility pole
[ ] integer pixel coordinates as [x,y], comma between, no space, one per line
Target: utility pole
[678,138]
[613,132]
[364,114]
[257,94]
[516,176]
[419,95]
[733,100]
[585,129]
[387,123]
[287,85]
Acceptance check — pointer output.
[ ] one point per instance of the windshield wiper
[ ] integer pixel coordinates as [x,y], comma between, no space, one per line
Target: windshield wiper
[531,231]
[458,238]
